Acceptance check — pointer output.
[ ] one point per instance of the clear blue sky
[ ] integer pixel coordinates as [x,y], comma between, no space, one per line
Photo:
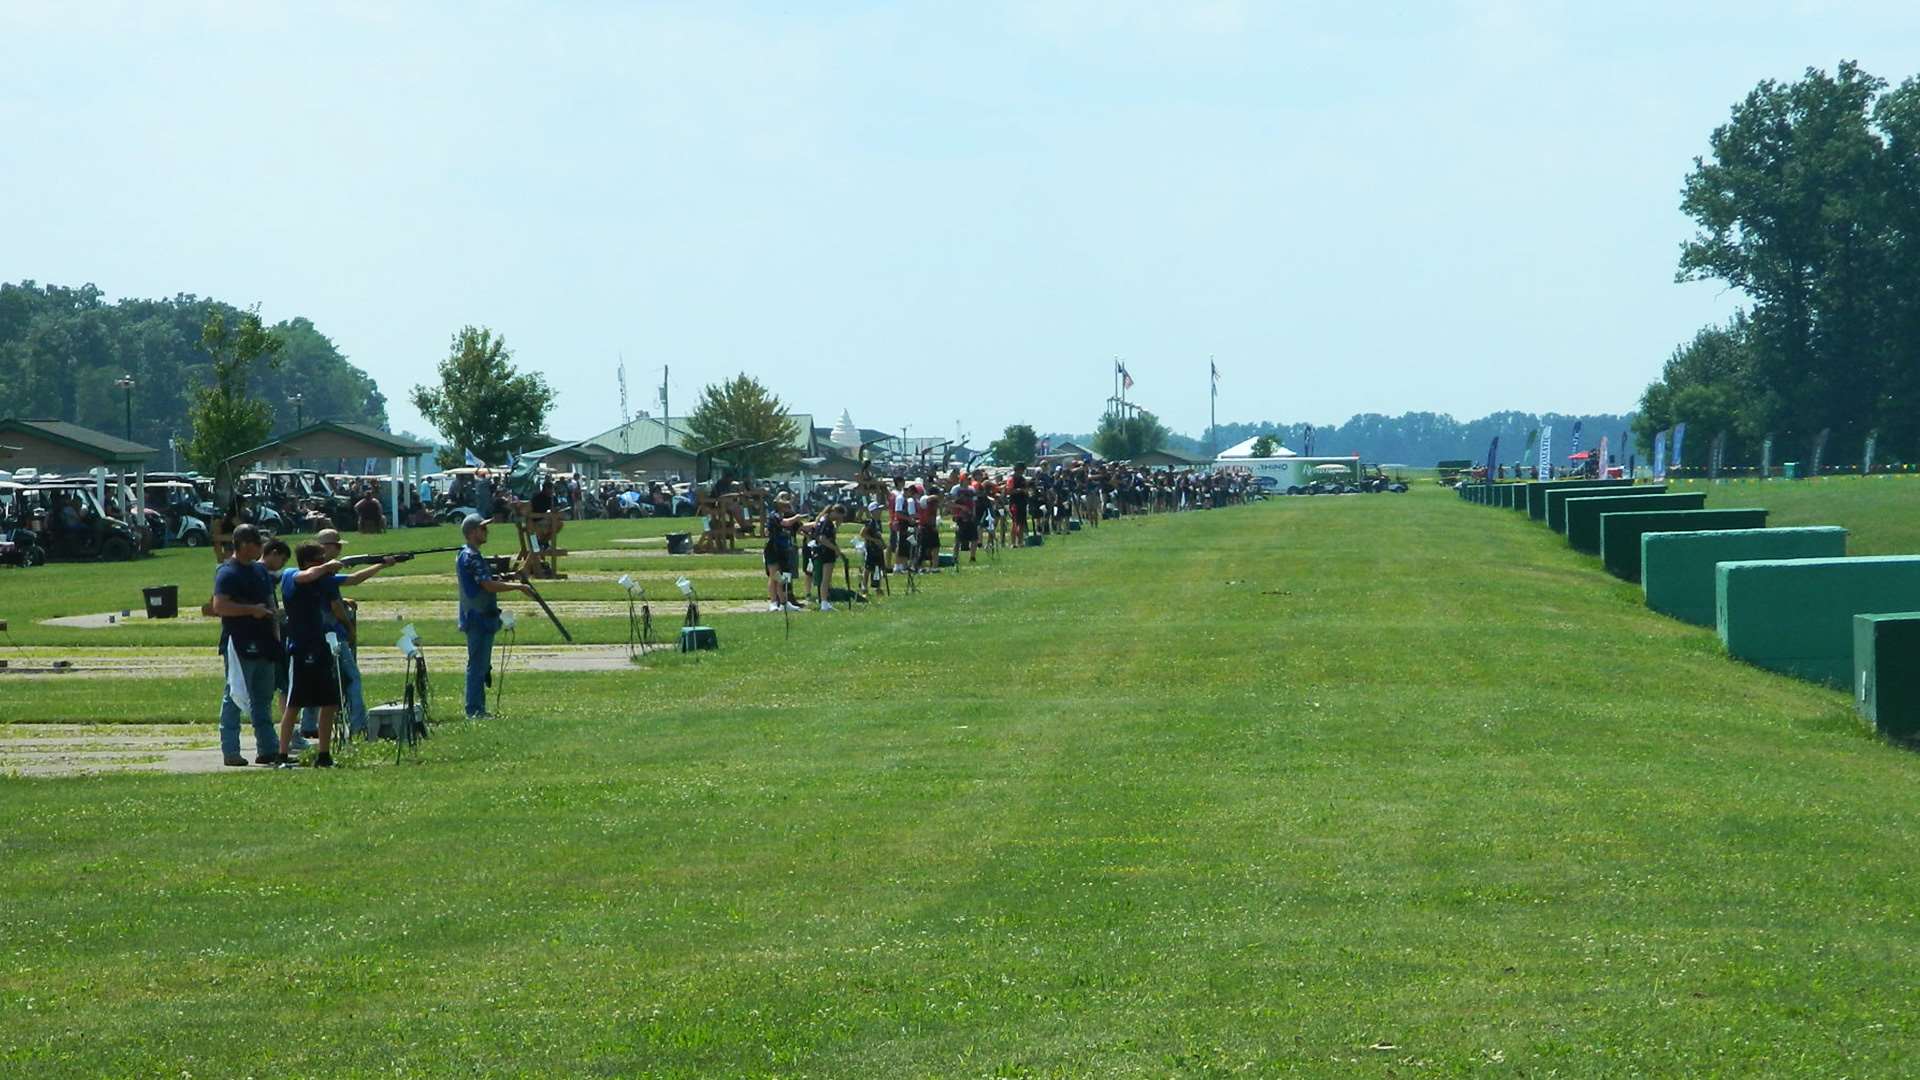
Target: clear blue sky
[924,213]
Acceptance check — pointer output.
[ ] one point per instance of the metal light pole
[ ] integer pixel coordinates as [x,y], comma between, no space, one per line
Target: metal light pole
[125,382]
[299,416]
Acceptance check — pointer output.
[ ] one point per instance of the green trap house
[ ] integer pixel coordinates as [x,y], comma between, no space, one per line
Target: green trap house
[1796,616]
[1535,492]
[1583,514]
[1886,671]
[1556,499]
[1677,568]
[1620,532]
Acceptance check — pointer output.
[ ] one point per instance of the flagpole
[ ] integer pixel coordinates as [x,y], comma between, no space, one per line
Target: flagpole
[1213,400]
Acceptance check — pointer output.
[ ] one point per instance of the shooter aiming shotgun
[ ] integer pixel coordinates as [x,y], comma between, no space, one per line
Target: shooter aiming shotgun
[397,556]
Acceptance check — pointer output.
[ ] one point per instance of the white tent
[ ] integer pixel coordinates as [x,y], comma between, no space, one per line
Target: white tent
[844,434]
[1245,449]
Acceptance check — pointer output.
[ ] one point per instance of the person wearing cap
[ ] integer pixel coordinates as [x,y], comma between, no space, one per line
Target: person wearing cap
[310,594]
[249,647]
[479,609]
[778,555]
[341,620]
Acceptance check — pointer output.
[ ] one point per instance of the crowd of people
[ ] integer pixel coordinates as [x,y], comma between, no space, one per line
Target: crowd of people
[288,633]
[982,508]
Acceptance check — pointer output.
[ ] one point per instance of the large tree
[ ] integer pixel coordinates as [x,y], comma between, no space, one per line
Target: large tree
[225,419]
[1805,205]
[1125,438]
[742,410]
[1017,445]
[481,403]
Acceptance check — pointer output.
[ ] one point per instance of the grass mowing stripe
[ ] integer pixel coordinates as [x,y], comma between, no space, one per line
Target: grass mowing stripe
[1258,791]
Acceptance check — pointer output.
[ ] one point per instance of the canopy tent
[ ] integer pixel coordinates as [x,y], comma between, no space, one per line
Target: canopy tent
[58,446]
[351,442]
[1244,448]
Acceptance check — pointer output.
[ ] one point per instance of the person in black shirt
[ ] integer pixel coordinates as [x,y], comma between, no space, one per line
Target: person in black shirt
[825,548]
[312,593]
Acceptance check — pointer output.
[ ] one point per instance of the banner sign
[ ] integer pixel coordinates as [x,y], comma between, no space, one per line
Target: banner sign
[1866,464]
[1679,436]
[1660,456]
[1820,449]
[1543,469]
[1600,467]
[1493,457]
[1574,447]
[1766,456]
[1716,456]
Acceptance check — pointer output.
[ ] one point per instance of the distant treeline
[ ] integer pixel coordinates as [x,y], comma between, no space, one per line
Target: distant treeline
[62,350]
[1415,438]
[1808,203]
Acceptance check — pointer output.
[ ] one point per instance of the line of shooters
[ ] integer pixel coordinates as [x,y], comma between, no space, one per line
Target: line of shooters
[984,511]
[288,632]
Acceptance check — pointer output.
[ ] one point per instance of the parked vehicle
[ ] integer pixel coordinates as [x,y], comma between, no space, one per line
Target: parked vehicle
[68,522]
[176,514]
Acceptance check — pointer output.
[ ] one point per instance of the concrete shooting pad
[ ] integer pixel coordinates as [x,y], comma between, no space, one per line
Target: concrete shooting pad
[1536,492]
[1556,500]
[1677,568]
[1620,532]
[1795,616]
[1886,672]
[1583,512]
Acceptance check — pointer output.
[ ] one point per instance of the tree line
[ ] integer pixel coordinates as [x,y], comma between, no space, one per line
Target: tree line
[63,350]
[1414,438]
[1808,203]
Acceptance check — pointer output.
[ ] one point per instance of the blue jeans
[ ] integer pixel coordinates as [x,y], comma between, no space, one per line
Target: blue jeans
[353,699]
[479,666]
[259,675]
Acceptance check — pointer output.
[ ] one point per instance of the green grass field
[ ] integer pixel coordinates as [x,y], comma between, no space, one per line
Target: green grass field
[1388,785]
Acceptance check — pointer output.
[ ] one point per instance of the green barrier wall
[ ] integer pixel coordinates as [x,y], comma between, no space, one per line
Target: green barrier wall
[1557,499]
[1583,514]
[1796,616]
[1677,568]
[1886,672]
[1536,494]
[1620,533]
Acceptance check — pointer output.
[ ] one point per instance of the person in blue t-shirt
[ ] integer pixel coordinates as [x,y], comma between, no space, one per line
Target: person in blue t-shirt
[479,610]
[312,594]
[249,646]
[341,621]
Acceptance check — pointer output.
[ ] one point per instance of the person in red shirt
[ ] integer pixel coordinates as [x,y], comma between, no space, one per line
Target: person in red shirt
[928,521]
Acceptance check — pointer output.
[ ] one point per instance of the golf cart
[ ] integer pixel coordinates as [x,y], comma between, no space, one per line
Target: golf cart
[69,524]
[174,514]
[19,545]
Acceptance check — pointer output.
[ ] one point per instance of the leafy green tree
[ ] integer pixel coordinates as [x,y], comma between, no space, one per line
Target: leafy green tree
[481,403]
[1263,446]
[224,420]
[742,409]
[1798,206]
[1125,438]
[1709,384]
[1016,445]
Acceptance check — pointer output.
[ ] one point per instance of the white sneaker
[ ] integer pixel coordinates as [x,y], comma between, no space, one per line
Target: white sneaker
[795,607]
[824,606]
[772,606]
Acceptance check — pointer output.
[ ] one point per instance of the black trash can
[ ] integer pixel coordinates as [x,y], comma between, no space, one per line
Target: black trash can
[163,601]
[679,543]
